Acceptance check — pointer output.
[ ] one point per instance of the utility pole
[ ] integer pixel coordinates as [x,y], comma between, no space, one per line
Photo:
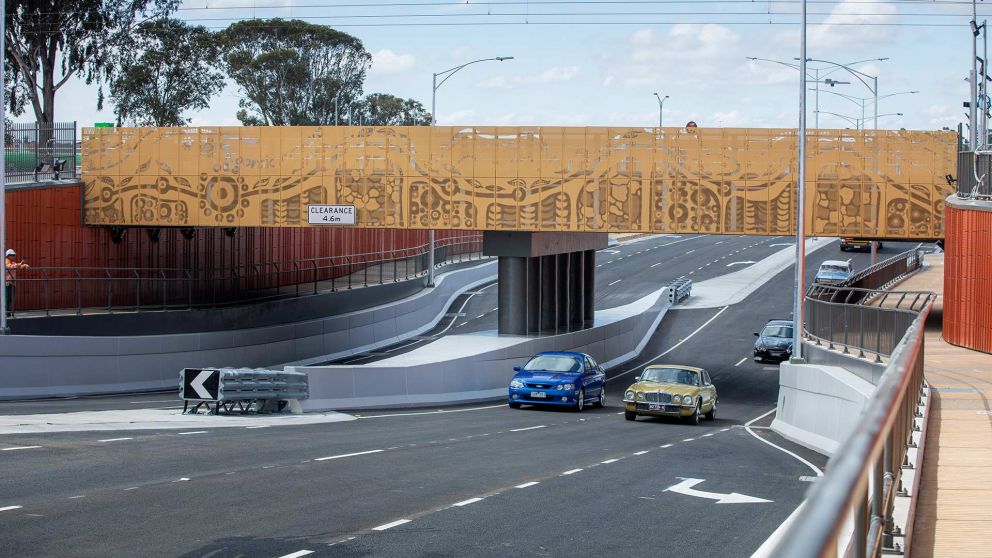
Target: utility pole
[800,293]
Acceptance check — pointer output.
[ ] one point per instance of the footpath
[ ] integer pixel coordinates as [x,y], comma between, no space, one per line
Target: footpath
[954,510]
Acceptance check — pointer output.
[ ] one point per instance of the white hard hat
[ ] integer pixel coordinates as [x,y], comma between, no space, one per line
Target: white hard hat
[11,252]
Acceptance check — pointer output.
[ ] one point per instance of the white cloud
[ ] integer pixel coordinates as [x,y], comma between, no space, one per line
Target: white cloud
[458,117]
[386,61]
[852,25]
[642,37]
[556,74]
[608,81]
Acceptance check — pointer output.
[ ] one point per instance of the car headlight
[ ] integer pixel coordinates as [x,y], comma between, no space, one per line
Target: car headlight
[629,394]
[640,396]
[516,383]
[760,346]
[677,399]
[567,387]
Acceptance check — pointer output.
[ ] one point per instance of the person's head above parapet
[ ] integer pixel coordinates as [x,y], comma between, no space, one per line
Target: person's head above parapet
[691,124]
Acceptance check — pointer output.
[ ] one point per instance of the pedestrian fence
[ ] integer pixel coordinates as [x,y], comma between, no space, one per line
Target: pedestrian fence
[36,151]
[75,290]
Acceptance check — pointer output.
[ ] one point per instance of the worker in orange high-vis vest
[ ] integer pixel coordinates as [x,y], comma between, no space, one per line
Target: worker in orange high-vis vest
[9,265]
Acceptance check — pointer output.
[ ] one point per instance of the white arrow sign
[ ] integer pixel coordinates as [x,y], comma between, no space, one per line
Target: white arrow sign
[748,262]
[685,487]
[197,384]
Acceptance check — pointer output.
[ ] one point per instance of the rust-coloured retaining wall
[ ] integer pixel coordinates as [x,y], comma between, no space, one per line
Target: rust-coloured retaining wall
[44,225]
[968,274]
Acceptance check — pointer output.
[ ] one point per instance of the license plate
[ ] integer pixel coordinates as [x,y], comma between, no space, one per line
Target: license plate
[538,395]
[653,407]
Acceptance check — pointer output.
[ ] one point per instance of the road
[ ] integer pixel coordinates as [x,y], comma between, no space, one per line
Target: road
[460,481]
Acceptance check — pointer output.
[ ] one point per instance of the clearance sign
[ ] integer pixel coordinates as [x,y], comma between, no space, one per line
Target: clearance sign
[331,214]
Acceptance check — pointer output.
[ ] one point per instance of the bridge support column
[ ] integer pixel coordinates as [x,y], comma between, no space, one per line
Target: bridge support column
[545,279]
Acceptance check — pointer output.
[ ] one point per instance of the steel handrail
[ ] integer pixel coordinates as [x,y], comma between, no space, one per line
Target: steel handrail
[816,531]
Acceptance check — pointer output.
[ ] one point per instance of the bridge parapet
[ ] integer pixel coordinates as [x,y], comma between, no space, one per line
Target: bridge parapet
[876,184]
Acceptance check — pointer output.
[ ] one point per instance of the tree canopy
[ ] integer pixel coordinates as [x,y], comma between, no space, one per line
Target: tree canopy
[172,68]
[382,109]
[50,41]
[291,71]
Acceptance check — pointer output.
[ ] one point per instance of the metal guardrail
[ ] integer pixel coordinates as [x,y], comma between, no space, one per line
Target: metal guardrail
[865,329]
[244,389]
[33,148]
[865,474]
[73,290]
[679,289]
[870,279]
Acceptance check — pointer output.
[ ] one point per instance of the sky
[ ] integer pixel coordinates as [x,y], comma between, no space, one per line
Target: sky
[599,63]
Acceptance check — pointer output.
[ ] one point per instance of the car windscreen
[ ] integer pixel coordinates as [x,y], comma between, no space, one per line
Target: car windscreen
[670,376]
[833,269]
[554,364]
[777,331]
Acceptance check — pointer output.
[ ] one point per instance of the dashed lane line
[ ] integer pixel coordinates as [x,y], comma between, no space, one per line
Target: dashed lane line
[527,484]
[297,554]
[390,525]
[741,361]
[640,452]
[466,502]
[614,283]
[608,461]
[571,472]
[529,428]
[115,439]
[192,432]
[15,448]
[8,508]
[344,455]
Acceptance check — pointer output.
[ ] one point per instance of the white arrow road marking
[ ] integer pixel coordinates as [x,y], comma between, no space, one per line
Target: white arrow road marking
[686,487]
[748,262]
[197,384]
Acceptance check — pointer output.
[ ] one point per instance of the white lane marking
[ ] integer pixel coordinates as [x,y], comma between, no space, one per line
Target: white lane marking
[747,426]
[614,283]
[260,426]
[688,439]
[529,428]
[640,452]
[673,347]
[724,429]
[343,455]
[657,264]
[8,508]
[741,361]
[467,502]
[745,262]
[76,497]
[193,432]
[571,472]
[132,488]
[438,412]
[297,554]
[686,487]
[666,446]
[690,251]
[182,479]
[19,448]
[527,484]
[707,435]
[115,439]
[608,461]
[781,244]
[396,523]
[480,316]
[718,243]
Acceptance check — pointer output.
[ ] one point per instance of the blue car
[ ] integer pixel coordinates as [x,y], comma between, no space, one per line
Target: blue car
[559,378]
[774,343]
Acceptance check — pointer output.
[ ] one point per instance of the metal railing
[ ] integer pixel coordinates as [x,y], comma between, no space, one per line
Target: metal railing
[869,280]
[73,290]
[32,150]
[865,474]
[841,320]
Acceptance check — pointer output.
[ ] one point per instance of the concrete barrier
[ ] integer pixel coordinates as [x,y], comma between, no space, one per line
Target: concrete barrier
[34,366]
[477,367]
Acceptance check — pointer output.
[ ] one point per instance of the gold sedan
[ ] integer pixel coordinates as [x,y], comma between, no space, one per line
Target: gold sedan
[671,390]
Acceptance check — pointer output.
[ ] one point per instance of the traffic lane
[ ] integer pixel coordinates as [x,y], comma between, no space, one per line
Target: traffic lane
[150,400]
[351,493]
[623,507]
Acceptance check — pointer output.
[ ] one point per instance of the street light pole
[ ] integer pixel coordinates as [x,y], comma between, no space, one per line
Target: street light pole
[661,109]
[797,308]
[434,85]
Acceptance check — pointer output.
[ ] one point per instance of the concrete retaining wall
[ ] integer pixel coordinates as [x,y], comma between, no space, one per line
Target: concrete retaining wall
[48,366]
[476,367]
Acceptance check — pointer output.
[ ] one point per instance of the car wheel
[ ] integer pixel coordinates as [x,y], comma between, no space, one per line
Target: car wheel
[602,398]
[580,400]
[630,415]
[514,405]
[712,414]
[694,419]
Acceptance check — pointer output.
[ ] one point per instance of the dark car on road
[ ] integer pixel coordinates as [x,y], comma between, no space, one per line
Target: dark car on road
[774,343]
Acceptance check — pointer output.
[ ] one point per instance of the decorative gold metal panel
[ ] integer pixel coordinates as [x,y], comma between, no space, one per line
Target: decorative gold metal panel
[886,184]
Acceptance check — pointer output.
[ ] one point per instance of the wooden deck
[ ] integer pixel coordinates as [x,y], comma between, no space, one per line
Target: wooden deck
[954,510]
